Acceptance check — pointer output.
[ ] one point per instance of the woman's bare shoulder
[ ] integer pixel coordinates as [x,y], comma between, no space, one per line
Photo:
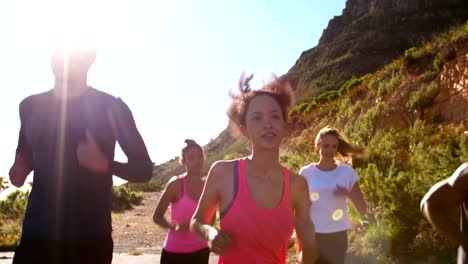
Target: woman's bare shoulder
[222,169]
[297,179]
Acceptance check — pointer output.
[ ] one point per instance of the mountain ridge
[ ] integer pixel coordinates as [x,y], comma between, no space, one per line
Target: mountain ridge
[368,35]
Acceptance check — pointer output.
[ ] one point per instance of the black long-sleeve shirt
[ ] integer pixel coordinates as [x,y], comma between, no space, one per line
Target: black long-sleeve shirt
[67,201]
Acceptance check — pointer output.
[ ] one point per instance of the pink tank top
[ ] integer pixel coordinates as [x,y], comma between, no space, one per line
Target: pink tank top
[182,212]
[259,235]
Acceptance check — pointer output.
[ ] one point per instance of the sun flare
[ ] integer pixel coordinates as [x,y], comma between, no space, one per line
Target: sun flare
[73,24]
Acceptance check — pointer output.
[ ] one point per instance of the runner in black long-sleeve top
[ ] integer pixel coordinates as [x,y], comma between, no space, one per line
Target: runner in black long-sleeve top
[67,138]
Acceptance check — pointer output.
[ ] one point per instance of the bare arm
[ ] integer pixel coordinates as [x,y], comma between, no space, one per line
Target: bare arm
[218,241]
[435,207]
[167,197]
[304,227]
[139,167]
[358,200]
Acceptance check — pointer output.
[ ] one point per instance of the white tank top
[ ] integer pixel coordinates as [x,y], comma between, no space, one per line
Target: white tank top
[329,212]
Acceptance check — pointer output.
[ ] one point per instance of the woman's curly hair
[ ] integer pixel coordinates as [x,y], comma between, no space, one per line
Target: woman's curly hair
[280,89]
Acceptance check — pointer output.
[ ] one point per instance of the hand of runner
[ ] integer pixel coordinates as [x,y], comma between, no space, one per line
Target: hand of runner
[181,228]
[90,155]
[218,241]
[19,171]
[341,191]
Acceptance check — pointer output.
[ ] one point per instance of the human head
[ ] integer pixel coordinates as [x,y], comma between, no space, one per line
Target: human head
[72,64]
[280,89]
[344,149]
[192,156]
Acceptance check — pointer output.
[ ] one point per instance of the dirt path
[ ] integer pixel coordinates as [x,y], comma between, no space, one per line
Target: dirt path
[136,234]
[134,231]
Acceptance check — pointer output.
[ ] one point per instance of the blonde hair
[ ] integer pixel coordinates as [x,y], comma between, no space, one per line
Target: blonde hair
[346,150]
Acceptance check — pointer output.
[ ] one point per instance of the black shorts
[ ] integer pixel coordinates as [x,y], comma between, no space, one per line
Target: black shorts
[198,257]
[32,250]
[332,247]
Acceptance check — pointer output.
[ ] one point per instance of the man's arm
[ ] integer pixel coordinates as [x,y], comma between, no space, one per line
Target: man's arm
[435,207]
[139,167]
[22,165]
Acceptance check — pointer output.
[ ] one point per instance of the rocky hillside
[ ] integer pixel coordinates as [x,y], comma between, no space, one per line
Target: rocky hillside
[368,35]
[429,84]
[412,117]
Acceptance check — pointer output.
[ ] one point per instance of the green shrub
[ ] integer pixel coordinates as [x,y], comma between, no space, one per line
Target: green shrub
[154,185]
[420,52]
[424,96]
[462,146]
[388,86]
[353,109]
[124,199]
[344,105]
[14,206]
[3,183]
[410,51]
[363,128]
[10,235]
[12,211]
[327,97]
[368,236]
[310,106]
[438,62]
[348,85]
[400,169]
[295,161]
[429,76]
[372,82]
[299,109]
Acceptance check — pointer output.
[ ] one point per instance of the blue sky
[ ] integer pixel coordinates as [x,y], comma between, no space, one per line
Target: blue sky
[173,62]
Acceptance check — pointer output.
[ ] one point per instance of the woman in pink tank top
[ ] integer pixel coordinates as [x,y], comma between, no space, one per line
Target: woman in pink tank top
[182,194]
[260,201]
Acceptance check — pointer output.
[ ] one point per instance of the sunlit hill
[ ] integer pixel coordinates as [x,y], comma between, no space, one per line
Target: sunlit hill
[394,78]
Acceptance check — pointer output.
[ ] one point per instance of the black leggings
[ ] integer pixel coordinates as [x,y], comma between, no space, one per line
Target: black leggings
[198,257]
[332,247]
[38,251]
